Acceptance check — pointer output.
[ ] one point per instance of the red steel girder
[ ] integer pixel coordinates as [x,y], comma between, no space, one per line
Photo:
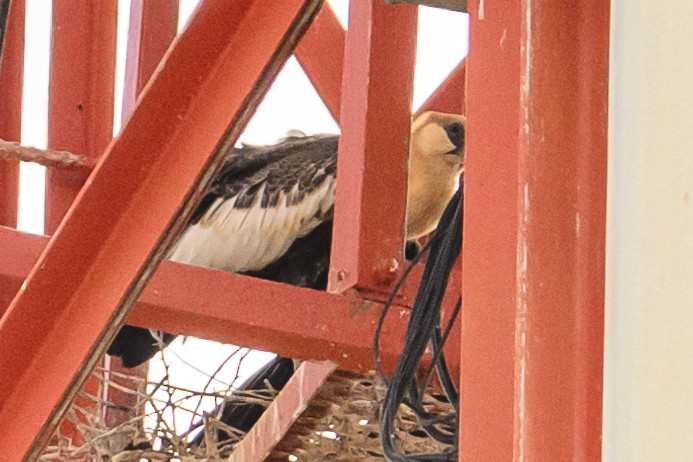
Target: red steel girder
[288,320]
[11,76]
[321,55]
[534,233]
[562,230]
[449,96]
[318,53]
[101,256]
[80,93]
[19,251]
[490,235]
[373,149]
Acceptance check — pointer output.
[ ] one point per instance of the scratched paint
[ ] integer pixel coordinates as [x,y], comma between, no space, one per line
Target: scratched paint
[521,321]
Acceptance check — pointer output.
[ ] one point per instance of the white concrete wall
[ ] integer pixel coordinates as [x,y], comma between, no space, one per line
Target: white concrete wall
[648,402]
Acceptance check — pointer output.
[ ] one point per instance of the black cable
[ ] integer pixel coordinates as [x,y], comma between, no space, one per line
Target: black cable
[386,309]
[439,363]
[424,327]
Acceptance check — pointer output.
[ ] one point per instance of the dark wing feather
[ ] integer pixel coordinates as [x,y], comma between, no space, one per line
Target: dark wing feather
[304,160]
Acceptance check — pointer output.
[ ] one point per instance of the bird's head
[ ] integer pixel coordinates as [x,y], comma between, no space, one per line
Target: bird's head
[438,138]
[436,159]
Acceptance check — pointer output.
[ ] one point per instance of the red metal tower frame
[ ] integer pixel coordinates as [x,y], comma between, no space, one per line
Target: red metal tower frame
[531,382]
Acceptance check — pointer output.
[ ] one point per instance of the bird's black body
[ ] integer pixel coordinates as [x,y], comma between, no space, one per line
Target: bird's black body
[242,416]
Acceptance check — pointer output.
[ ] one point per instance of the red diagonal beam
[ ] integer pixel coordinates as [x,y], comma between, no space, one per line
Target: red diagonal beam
[97,263]
[373,149]
[450,95]
[19,251]
[291,321]
[11,76]
[282,412]
[80,104]
[321,54]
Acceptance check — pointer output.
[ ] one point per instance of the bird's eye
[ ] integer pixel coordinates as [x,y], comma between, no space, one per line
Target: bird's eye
[455,133]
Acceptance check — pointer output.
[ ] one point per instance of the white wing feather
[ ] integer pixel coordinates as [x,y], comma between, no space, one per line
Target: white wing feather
[248,239]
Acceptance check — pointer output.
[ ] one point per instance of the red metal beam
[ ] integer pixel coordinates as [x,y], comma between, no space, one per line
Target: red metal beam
[373,149]
[281,414]
[11,77]
[534,232]
[562,207]
[98,261]
[291,321]
[80,99]
[449,96]
[80,108]
[153,26]
[490,235]
[19,251]
[321,54]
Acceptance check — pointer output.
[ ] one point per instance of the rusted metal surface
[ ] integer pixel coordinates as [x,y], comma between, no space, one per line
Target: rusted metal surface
[280,415]
[490,235]
[532,326]
[561,213]
[290,321]
[321,54]
[96,265]
[153,26]
[11,76]
[373,149]
[80,98]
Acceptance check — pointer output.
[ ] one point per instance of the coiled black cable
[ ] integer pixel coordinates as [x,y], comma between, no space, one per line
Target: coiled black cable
[424,327]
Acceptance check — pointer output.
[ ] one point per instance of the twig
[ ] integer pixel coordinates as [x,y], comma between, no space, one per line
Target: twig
[10,150]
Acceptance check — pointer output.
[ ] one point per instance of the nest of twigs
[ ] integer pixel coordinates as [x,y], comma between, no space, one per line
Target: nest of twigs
[167,422]
[162,422]
[342,424]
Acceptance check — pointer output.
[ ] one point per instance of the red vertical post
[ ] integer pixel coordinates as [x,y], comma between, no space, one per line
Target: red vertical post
[561,211]
[490,234]
[80,107]
[375,116]
[153,26]
[534,232]
[11,76]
